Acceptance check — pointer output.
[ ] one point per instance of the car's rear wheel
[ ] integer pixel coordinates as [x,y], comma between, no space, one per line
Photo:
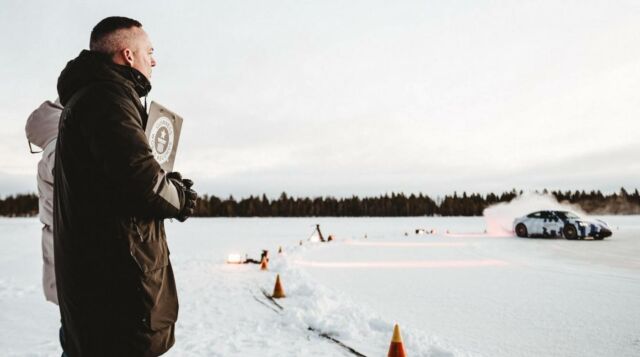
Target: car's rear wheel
[570,232]
[521,230]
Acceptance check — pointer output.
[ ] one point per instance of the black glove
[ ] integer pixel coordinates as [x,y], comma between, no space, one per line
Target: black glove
[190,196]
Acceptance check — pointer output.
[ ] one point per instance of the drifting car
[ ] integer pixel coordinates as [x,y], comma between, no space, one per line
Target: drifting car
[560,224]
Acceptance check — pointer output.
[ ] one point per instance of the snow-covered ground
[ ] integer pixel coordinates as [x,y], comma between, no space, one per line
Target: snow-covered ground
[457,293]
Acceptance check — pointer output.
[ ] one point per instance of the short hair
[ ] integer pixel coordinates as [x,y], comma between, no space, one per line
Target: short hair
[108,36]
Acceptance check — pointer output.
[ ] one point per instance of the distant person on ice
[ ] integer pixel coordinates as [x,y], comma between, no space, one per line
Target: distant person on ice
[116,286]
[42,130]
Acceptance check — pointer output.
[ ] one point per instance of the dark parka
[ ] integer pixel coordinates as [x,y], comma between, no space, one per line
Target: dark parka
[116,287]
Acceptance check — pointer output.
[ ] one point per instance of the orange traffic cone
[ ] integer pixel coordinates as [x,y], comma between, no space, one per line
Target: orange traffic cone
[279,250]
[264,264]
[278,291]
[397,346]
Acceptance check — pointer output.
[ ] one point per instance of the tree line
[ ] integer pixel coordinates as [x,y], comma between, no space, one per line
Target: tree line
[393,205]
[22,205]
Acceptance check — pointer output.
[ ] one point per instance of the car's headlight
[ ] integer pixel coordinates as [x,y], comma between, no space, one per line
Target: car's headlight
[583,224]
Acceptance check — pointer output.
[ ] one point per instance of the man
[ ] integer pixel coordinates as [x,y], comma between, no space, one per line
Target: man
[42,130]
[116,287]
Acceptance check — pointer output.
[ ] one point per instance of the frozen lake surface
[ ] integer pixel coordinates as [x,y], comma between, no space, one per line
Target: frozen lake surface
[460,292]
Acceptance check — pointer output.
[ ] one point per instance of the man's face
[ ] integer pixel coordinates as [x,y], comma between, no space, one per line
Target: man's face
[142,54]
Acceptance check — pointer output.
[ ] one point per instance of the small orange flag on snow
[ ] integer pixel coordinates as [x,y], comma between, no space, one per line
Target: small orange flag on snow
[397,346]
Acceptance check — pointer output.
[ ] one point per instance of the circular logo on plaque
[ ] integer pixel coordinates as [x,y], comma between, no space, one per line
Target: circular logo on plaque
[161,139]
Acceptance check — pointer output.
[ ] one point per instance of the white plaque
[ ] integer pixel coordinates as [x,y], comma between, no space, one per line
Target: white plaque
[163,133]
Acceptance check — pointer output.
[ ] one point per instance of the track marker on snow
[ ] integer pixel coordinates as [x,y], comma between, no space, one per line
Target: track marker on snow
[264,264]
[278,291]
[396,349]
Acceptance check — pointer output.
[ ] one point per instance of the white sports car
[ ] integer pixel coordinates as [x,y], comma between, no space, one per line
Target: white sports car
[560,224]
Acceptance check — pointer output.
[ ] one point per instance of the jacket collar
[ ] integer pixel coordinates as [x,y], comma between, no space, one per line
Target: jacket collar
[138,81]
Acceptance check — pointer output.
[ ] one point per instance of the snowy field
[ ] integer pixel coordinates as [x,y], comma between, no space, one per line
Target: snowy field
[458,292]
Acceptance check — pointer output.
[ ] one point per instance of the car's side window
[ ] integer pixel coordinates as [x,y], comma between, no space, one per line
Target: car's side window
[535,215]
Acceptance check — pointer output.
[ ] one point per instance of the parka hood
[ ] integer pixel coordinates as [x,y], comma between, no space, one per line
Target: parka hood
[42,124]
[91,67]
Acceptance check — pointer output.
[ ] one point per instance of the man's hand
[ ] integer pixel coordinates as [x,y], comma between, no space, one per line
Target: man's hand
[190,196]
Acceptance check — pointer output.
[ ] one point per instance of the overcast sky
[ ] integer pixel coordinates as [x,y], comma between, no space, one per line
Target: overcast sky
[360,97]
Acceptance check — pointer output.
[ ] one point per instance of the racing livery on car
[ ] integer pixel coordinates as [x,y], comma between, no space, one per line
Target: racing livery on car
[560,224]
